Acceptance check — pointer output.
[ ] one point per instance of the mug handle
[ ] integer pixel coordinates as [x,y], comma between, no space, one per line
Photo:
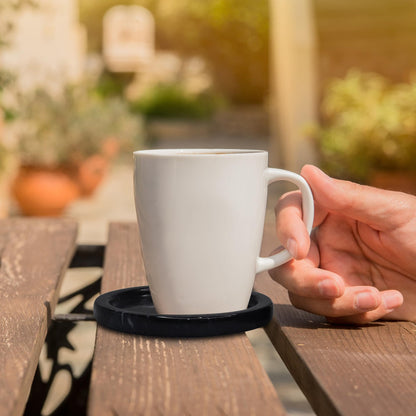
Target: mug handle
[273,175]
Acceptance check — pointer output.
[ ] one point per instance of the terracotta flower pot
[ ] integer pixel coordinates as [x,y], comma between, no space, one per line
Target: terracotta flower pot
[43,191]
[91,173]
[92,170]
[111,147]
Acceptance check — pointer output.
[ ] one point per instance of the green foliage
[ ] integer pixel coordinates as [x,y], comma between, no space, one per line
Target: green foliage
[4,156]
[65,129]
[368,124]
[6,80]
[231,35]
[110,85]
[172,101]
[8,8]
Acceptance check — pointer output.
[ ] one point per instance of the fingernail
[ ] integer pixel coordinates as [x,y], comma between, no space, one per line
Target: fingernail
[292,247]
[365,301]
[392,300]
[328,288]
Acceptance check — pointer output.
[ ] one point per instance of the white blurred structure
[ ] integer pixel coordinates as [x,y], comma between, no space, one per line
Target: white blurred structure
[128,38]
[47,46]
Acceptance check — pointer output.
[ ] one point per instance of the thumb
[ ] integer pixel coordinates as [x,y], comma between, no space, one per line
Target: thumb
[378,208]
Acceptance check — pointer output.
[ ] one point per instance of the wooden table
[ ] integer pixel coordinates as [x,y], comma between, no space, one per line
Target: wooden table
[368,370]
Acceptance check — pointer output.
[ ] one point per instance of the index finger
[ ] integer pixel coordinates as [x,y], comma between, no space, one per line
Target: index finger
[290,228]
[379,208]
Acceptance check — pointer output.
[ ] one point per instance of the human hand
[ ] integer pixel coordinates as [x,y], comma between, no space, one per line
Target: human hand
[360,263]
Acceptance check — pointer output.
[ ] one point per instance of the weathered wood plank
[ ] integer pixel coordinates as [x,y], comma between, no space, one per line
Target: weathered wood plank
[344,370]
[134,375]
[34,254]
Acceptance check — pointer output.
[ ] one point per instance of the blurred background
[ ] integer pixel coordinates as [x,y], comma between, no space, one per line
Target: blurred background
[83,83]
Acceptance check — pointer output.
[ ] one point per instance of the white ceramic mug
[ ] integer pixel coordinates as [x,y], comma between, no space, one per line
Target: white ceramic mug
[201,217]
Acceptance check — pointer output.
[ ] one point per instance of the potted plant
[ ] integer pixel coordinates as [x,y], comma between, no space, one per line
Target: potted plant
[171,111]
[5,154]
[368,131]
[65,144]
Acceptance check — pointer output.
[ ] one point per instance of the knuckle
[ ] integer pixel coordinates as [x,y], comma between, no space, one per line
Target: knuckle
[302,286]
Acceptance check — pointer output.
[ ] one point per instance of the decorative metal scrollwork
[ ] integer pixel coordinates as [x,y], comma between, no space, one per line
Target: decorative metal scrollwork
[58,338]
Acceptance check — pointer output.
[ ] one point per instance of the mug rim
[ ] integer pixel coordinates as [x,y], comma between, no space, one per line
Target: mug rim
[199,152]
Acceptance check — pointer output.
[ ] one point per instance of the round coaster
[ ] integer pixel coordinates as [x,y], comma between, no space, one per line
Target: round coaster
[131,310]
